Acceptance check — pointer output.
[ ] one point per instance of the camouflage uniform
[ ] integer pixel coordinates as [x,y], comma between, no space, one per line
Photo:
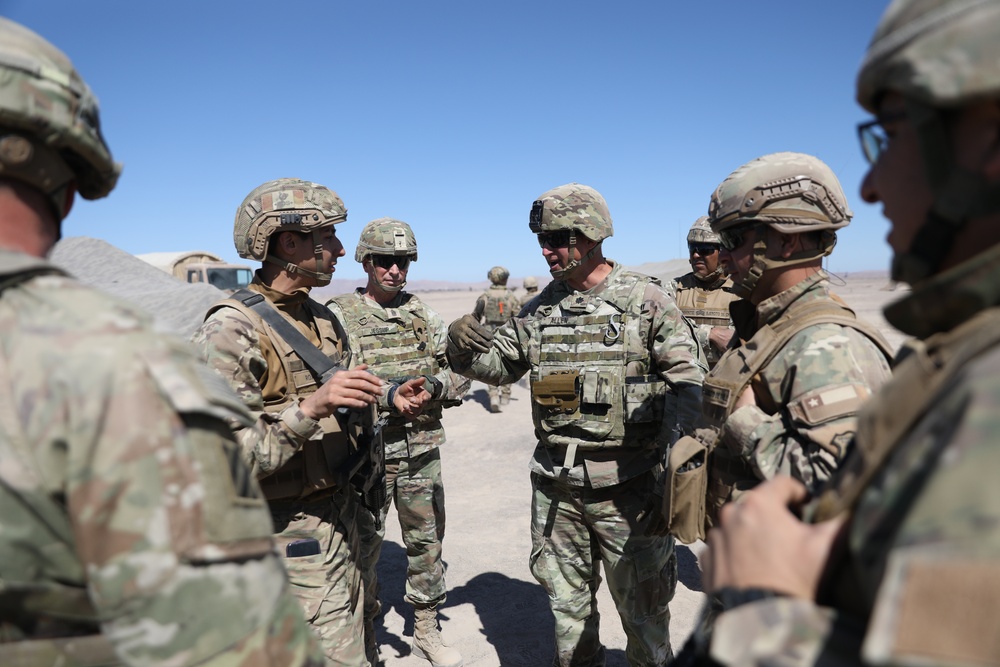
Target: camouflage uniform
[914,579]
[131,532]
[705,300]
[530,284]
[494,307]
[287,450]
[613,369]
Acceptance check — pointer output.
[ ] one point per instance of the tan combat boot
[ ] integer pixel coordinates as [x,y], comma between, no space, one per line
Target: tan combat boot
[427,642]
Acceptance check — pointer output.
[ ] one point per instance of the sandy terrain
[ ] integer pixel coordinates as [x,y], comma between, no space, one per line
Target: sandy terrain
[496,614]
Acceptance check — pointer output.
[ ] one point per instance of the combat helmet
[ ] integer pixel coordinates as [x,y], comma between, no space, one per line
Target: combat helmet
[792,193]
[578,209]
[286,204]
[498,275]
[386,236]
[939,55]
[530,284]
[50,132]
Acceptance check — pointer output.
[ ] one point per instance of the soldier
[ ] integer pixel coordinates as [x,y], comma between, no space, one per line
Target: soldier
[704,294]
[530,285]
[494,307]
[614,368]
[399,337]
[131,533]
[896,562]
[299,446]
[785,398]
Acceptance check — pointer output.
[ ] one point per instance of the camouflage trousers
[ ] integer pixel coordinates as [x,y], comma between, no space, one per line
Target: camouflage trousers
[328,585]
[576,530]
[415,486]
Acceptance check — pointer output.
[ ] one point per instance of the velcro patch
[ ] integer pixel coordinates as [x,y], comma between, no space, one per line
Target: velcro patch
[827,403]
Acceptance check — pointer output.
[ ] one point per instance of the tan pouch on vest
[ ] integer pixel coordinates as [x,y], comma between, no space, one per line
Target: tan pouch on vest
[558,392]
[686,489]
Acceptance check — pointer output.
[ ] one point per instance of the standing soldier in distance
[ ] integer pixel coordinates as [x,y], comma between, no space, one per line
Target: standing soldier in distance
[131,532]
[399,337]
[614,367]
[897,561]
[784,399]
[299,446]
[494,307]
[704,294]
[530,284]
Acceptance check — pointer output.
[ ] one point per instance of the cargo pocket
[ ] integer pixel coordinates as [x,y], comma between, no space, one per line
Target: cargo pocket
[308,582]
[656,576]
[687,486]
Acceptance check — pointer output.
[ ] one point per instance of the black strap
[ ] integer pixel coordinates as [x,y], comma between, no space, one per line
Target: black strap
[321,365]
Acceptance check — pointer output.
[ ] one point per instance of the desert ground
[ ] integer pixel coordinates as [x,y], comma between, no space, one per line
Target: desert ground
[495,614]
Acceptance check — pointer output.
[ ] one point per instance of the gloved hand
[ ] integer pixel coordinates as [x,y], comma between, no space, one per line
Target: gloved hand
[468,335]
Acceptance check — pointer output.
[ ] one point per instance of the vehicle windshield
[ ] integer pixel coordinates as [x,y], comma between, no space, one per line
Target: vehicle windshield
[230,279]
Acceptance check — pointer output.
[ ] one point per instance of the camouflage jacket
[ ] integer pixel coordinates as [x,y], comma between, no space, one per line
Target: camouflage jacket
[916,582]
[402,339]
[828,365]
[632,370]
[249,362]
[126,509]
[496,305]
[707,306]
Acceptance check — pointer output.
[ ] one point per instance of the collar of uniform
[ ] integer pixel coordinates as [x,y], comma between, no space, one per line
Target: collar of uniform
[946,300]
[388,311]
[281,300]
[711,285]
[815,286]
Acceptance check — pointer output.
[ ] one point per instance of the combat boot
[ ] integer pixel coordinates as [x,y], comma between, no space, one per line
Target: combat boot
[427,642]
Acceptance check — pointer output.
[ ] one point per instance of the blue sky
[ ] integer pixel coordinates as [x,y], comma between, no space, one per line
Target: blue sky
[454,116]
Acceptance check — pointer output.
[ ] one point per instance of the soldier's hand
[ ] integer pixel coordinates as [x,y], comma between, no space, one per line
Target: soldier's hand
[468,335]
[354,388]
[720,338]
[411,397]
[760,543]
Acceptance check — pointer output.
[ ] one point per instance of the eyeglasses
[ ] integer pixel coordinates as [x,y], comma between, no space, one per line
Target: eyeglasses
[873,138]
[703,249]
[554,240]
[386,261]
[733,238]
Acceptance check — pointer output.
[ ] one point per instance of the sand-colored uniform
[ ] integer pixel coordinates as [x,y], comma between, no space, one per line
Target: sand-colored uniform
[612,369]
[494,307]
[917,579]
[286,450]
[129,524]
[706,304]
[404,339]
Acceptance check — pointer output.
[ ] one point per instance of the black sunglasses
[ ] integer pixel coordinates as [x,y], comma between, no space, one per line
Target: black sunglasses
[554,240]
[703,249]
[873,138]
[386,261]
[733,238]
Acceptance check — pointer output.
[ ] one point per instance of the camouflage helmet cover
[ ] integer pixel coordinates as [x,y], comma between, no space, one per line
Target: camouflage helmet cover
[530,283]
[44,99]
[938,52]
[285,204]
[386,236]
[790,192]
[498,275]
[701,232]
[572,206]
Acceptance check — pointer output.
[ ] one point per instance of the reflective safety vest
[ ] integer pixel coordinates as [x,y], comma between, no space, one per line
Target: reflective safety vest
[592,384]
[319,467]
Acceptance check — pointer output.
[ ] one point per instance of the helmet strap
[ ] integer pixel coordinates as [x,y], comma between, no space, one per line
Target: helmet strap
[322,278]
[573,264]
[958,196]
[381,285]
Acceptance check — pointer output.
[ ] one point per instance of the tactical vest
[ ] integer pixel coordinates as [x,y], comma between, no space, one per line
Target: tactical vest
[704,306]
[592,381]
[395,343]
[500,305]
[740,367]
[317,469]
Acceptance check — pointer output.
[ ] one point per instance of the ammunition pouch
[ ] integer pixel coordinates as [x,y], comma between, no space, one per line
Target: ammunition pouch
[86,651]
[558,392]
[685,495]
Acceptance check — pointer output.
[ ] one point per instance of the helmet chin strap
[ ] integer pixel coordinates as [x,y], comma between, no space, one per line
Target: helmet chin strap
[382,286]
[573,264]
[712,277]
[322,278]
[761,262]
